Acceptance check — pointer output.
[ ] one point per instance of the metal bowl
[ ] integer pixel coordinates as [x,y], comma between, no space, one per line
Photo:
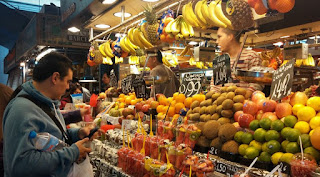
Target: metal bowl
[254,76]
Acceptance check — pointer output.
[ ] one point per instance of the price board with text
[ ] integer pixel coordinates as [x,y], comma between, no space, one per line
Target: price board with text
[191,83]
[281,85]
[126,84]
[221,70]
[139,86]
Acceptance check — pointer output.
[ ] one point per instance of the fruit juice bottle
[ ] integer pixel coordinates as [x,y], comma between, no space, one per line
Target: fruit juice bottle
[191,136]
[182,151]
[180,131]
[172,154]
[154,146]
[204,166]
[190,162]
[302,167]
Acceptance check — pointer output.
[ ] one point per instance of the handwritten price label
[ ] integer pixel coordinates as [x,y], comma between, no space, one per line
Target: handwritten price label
[227,169]
[139,88]
[191,84]
[221,70]
[214,151]
[126,84]
[281,85]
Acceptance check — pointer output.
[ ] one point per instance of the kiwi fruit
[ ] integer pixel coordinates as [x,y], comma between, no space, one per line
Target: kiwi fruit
[209,102]
[213,109]
[227,104]
[210,129]
[203,103]
[194,104]
[203,141]
[224,94]
[189,112]
[209,94]
[200,125]
[231,147]
[227,113]
[219,109]
[221,99]
[248,94]
[238,99]
[215,116]
[203,117]
[208,117]
[227,132]
[203,110]
[231,95]
[223,120]
[237,107]
[214,103]
[231,88]
[196,110]
[195,117]
[215,96]
[223,89]
[240,91]
[208,110]
[216,143]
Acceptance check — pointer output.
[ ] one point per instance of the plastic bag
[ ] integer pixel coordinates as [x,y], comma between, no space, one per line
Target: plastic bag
[84,169]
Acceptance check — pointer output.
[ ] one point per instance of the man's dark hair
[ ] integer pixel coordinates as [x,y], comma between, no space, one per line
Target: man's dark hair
[159,56]
[50,63]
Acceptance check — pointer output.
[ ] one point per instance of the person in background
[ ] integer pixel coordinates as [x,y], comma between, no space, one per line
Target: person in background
[51,77]
[229,42]
[66,98]
[171,85]
[106,80]
[5,95]
[86,93]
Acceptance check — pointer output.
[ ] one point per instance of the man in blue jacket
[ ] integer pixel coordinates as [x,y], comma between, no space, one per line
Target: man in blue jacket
[51,77]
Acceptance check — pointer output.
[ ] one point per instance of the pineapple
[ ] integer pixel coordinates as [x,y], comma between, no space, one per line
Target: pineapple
[150,30]
[242,17]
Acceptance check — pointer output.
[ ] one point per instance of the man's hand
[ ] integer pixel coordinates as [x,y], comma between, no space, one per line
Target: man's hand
[83,151]
[85,131]
[85,111]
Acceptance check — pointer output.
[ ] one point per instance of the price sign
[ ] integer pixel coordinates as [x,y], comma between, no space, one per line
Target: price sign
[140,88]
[285,167]
[227,169]
[191,83]
[126,124]
[126,84]
[221,70]
[282,81]
[214,151]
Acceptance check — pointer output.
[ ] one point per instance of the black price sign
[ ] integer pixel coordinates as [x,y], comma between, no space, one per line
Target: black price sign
[281,85]
[221,70]
[285,167]
[126,84]
[140,88]
[191,83]
[214,151]
[227,169]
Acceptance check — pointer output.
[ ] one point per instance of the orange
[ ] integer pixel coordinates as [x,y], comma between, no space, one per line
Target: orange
[197,97]
[154,104]
[163,38]
[121,100]
[173,103]
[171,112]
[180,98]
[160,108]
[282,6]
[163,101]
[128,100]
[170,99]
[315,138]
[175,95]
[178,107]
[122,105]
[121,95]
[132,97]
[164,109]
[134,101]
[188,102]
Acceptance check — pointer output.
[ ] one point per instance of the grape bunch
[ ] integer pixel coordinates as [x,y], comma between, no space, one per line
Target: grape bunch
[311,91]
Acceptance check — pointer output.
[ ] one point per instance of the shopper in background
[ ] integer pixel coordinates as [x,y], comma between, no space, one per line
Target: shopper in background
[171,85]
[4,100]
[86,93]
[229,42]
[106,80]
[66,98]
[51,77]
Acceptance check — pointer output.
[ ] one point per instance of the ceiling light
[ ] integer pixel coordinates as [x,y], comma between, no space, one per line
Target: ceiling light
[193,43]
[150,0]
[108,1]
[278,44]
[119,14]
[73,29]
[22,64]
[284,37]
[102,26]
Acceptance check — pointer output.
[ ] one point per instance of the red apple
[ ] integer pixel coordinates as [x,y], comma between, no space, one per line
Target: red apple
[260,104]
[258,95]
[145,108]
[139,106]
[236,115]
[245,119]
[259,115]
[250,107]
[270,115]
[283,110]
[269,106]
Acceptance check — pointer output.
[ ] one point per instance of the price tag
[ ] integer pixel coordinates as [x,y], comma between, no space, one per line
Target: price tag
[281,85]
[221,70]
[140,88]
[126,124]
[126,84]
[214,151]
[227,169]
[191,83]
[285,167]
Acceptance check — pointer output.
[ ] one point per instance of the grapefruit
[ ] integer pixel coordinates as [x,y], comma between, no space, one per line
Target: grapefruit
[315,138]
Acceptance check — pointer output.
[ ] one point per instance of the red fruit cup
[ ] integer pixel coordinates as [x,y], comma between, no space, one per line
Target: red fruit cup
[139,143]
[160,128]
[191,137]
[204,166]
[130,161]
[190,162]
[180,134]
[137,166]
[181,153]
[172,154]
[147,146]
[122,153]
[302,167]
[168,133]
[154,147]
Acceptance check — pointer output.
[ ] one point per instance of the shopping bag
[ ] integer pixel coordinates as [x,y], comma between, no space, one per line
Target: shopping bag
[83,169]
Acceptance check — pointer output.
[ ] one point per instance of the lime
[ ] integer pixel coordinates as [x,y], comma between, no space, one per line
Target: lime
[315,122]
[272,135]
[305,139]
[259,134]
[302,126]
[242,149]
[273,146]
[277,125]
[292,147]
[246,138]
[256,144]
[254,125]
[286,157]
[265,123]
[296,108]
[285,132]
[313,152]
[264,147]
[293,135]
[252,152]
[290,121]
[276,157]
[314,102]
[237,136]
[284,144]
[265,157]
[306,113]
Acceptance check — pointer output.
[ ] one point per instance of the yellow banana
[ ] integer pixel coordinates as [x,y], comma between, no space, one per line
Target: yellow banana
[143,40]
[205,12]
[108,50]
[198,12]
[168,27]
[136,38]
[123,45]
[185,30]
[129,45]
[185,50]
[130,36]
[186,17]
[175,27]
[190,12]
[101,49]
[192,62]
[213,17]
[190,28]
[219,13]
[175,60]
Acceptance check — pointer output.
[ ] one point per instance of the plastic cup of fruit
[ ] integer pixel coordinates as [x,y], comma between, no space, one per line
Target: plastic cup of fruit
[181,132]
[137,165]
[191,137]
[160,128]
[172,154]
[122,153]
[240,174]
[181,153]
[154,145]
[204,166]
[129,161]
[168,132]
[302,167]
[191,161]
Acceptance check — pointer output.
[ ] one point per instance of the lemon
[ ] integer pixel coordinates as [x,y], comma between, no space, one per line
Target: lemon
[313,152]
[259,134]
[296,108]
[246,138]
[305,139]
[315,122]
[265,123]
[264,147]
[237,136]
[256,144]
[302,126]
[273,146]
[311,132]
[276,157]
[242,149]
[277,125]
[284,144]
[252,152]
[286,157]
[293,135]
[314,102]
[306,113]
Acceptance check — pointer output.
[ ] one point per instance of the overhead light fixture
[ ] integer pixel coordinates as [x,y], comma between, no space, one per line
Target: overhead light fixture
[193,43]
[73,29]
[108,1]
[150,0]
[284,37]
[102,26]
[119,14]
[42,54]
[278,44]
[22,64]
[249,48]
[119,35]
[313,37]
